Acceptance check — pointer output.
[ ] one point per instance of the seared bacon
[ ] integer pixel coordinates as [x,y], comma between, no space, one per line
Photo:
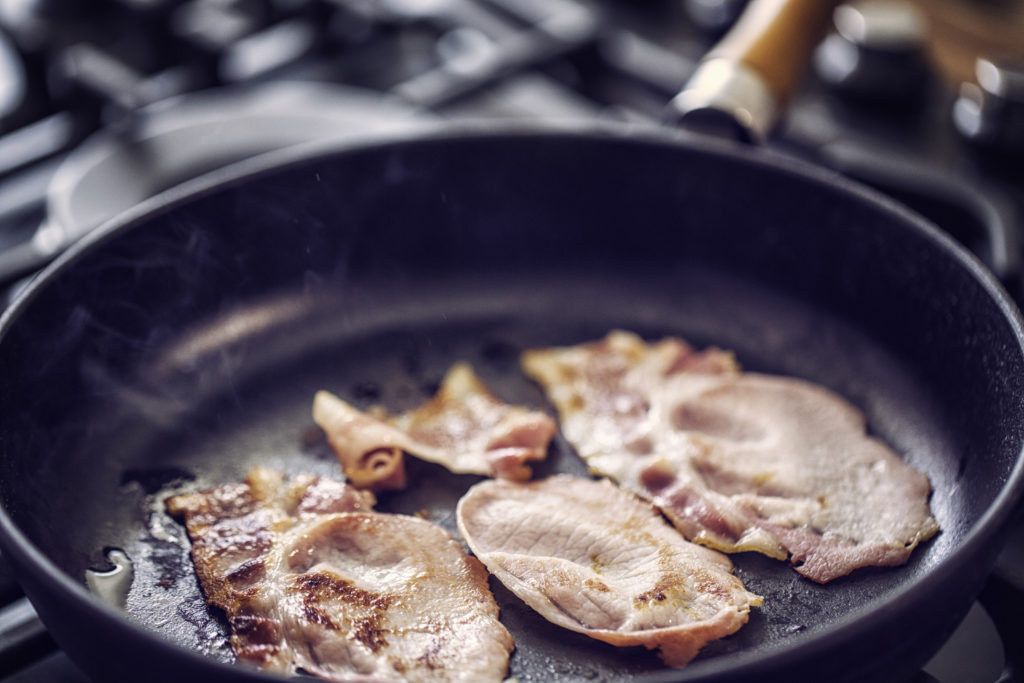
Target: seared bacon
[595,559]
[464,427]
[738,461]
[312,580]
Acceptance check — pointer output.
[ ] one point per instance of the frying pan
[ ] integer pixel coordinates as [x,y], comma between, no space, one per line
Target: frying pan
[182,344]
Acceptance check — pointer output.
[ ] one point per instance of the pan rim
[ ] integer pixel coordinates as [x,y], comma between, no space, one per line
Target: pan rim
[989,526]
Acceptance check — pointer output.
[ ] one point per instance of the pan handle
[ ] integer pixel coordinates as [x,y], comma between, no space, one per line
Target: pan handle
[748,78]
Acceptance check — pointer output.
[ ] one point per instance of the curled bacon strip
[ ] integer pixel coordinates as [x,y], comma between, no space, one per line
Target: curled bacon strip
[464,427]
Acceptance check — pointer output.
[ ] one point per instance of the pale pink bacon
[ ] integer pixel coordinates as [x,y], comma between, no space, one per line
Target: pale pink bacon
[464,427]
[738,461]
[593,558]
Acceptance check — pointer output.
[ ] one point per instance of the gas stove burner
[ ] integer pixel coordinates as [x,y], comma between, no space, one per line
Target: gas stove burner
[179,139]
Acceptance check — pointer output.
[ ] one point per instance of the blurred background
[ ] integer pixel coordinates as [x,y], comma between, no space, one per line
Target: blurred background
[104,103]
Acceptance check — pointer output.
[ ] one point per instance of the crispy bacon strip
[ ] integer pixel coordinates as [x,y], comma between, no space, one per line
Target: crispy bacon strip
[464,427]
[738,461]
[312,580]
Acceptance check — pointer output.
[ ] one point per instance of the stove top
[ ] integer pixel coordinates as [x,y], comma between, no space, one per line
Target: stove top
[922,99]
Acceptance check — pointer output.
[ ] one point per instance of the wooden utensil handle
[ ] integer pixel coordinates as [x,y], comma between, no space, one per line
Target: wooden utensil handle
[775,38]
[753,71]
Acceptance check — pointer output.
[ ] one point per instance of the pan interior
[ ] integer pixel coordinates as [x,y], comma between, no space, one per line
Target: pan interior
[250,404]
[180,352]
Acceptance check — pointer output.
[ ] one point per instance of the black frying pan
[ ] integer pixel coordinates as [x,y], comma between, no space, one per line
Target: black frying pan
[183,345]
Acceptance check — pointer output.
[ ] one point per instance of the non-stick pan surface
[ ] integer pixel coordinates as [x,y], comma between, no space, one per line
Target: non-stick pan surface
[184,346]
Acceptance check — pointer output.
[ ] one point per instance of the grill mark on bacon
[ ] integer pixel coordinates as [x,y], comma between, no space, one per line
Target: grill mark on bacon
[247,573]
[317,587]
[317,582]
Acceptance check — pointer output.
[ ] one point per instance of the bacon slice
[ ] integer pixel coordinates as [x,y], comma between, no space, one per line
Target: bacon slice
[738,461]
[312,580]
[595,559]
[464,427]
